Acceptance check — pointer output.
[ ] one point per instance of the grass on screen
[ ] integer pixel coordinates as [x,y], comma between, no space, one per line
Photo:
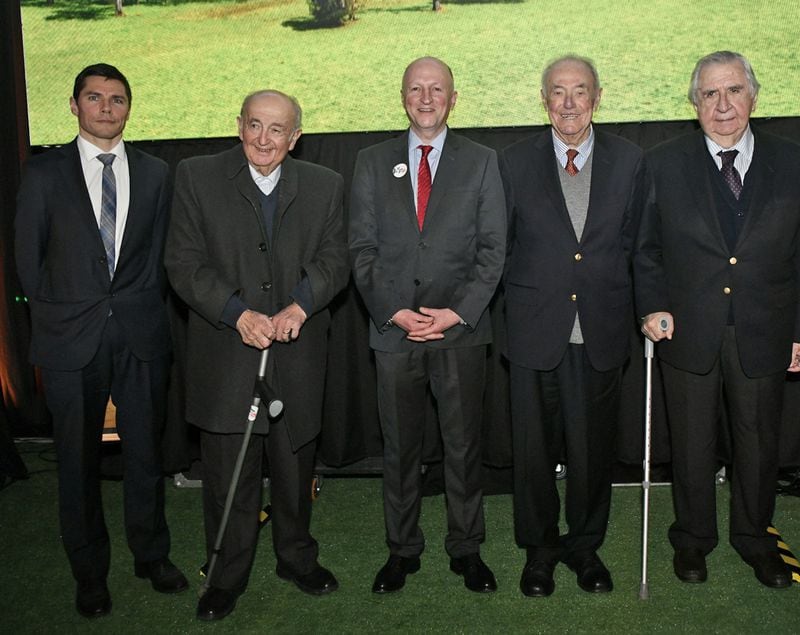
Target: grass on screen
[191,63]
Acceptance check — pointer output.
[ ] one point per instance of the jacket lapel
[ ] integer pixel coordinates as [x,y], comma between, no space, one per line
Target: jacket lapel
[446,176]
[544,163]
[699,184]
[136,220]
[239,173]
[74,183]
[400,187]
[760,176]
[287,190]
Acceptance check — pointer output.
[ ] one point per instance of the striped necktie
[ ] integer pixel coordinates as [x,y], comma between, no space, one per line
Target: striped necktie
[108,210]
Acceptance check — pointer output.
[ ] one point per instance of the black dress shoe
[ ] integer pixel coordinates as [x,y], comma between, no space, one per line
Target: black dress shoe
[592,574]
[537,579]
[392,576]
[477,576]
[771,570]
[215,604]
[319,582]
[163,575]
[92,598]
[690,565]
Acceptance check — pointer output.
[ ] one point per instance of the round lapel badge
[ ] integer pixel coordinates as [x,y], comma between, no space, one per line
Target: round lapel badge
[399,171]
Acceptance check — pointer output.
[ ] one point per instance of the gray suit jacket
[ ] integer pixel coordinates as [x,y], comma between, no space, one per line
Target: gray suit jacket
[456,260]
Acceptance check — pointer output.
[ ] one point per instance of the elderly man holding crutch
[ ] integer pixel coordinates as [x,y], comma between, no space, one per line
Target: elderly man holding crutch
[718,259]
[257,249]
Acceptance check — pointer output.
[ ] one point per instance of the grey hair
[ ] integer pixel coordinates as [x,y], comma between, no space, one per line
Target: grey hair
[585,61]
[722,57]
[298,111]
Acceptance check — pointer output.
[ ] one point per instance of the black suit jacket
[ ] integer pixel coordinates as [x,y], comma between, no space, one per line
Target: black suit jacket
[455,261]
[61,260]
[547,266]
[683,264]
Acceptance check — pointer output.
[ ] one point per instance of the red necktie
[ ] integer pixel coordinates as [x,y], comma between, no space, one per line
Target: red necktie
[423,184]
[571,168]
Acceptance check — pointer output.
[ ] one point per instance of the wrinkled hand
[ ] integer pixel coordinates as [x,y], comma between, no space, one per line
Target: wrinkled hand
[440,321]
[288,322]
[794,367]
[652,326]
[256,329]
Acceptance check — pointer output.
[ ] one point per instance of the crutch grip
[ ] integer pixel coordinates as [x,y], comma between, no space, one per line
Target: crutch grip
[264,391]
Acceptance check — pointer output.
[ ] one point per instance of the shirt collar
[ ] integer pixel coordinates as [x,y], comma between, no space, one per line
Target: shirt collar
[744,145]
[265,183]
[584,149]
[438,142]
[89,151]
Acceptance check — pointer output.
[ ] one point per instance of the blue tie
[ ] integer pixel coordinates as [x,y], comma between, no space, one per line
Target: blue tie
[108,209]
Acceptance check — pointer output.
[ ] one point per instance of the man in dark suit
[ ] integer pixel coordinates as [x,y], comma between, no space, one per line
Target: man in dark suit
[717,268]
[427,242]
[574,199]
[257,250]
[90,226]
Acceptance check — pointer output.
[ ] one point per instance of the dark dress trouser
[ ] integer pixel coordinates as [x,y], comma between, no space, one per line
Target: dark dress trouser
[753,408]
[77,400]
[290,473]
[578,405]
[456,379]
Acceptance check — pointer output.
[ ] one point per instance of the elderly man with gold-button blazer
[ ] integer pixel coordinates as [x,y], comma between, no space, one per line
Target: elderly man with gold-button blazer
[718,283]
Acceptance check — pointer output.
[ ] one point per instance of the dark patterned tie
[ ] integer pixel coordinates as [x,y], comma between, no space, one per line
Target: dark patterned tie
[571,168]
[729,172]
[423,185]
[108,209]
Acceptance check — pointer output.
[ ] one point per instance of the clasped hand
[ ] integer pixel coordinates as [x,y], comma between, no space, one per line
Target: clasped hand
[260,330]
[426,324]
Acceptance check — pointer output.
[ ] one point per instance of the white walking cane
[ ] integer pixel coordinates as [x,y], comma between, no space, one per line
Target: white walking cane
[649,350]
[644,592]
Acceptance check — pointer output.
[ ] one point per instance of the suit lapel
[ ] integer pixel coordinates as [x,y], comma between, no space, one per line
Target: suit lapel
[695,170]
[544,163]
[136,220]
[75,190]
[760,176]
[445,176]
[603,182]
[401,187]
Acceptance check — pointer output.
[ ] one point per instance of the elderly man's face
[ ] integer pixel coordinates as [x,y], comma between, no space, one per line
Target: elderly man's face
[428,97]
[267,131]
[102,109]
[570,98]
[724,102]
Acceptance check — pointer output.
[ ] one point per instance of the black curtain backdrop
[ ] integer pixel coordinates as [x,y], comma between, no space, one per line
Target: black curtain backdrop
[351,431]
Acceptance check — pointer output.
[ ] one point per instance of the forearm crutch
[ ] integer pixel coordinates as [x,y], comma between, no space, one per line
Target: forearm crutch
[644,592]
[649,351]
[261,391]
